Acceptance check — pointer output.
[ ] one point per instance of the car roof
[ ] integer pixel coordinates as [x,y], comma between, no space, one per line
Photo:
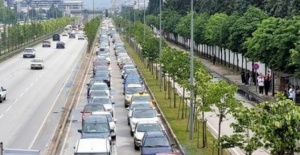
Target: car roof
[92,145]
[141,94]
[101,113]
[134,85]
[95,119]
[148,122]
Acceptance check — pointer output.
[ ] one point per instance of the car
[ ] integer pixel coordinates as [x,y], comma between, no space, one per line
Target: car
[142,114]
[46,43]
[103,68]
[56,37]
[98,93]
[98,86]
[136,105]
[29,53]
[142,97]
[127,68]
[129,71]
[60,44]
[105,101]
[93,146]
[81,37]
[89,108]
[65,34]
[72,35]
[111,120]
[141,128]
[131,89]
[95,126]
[37,63]
[155,142]
[2,94]
[105,76]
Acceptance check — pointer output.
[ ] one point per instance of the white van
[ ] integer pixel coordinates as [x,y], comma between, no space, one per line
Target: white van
[93,146]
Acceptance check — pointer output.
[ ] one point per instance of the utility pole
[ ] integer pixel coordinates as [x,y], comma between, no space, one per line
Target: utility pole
[160,45]
[191,123]
[93,8]
[144,39]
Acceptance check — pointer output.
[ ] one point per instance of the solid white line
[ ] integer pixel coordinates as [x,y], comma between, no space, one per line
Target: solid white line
[1,115]
[8,108]
[53,104]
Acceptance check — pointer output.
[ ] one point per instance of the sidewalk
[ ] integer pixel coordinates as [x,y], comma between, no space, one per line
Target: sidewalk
[232,76]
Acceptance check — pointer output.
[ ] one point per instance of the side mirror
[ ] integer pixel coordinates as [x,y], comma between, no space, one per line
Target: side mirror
[115,120]
[87,84]
[79,130]
[113,102]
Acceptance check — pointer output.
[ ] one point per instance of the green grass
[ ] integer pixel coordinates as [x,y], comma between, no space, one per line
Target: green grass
[178,125]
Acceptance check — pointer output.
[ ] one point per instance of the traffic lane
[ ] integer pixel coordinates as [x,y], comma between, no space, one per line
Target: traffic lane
[16,71]
[36,101]
[124,141]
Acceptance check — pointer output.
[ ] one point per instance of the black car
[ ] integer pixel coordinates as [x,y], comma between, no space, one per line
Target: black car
[105,76]
[56,37]
[155,142]
[60,45]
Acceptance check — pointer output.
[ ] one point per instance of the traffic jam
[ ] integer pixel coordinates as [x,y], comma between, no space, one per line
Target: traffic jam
[98,132]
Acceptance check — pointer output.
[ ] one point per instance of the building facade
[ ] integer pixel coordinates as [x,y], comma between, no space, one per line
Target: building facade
[73,6]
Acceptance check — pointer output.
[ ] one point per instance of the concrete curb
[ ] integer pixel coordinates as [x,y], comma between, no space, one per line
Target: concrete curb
[169,128]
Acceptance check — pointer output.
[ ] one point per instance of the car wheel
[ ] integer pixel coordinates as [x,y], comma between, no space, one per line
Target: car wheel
[131,133]
[4,98]
[31,68]
[136,147]
[128,121]
[0,99]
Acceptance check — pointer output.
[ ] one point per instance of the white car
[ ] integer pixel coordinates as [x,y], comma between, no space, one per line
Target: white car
[131,89]
[81,37]
[141,128]
[37,63]
[142,114]
[111,120]
[136,105]
[29,53]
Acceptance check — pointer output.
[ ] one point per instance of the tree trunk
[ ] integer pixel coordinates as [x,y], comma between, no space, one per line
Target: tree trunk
[174,93]
[219,133]
[183,104]
[233,60]
[221,51]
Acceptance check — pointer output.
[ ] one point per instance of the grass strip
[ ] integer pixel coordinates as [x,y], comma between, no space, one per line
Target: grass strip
[178,125]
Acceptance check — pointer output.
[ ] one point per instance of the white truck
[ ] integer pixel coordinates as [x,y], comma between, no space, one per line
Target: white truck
[2,94]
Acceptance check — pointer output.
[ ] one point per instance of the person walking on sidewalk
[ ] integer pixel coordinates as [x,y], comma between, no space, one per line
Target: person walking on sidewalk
[243,78]
[267,84]
[247,77]
[260,82]
[214,59]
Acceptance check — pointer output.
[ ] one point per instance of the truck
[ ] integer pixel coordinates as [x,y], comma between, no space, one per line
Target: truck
[17,151]
[2,94]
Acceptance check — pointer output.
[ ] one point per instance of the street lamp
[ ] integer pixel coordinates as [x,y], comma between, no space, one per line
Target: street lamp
[160,45]
[93,8]
[144,21]
[191,123]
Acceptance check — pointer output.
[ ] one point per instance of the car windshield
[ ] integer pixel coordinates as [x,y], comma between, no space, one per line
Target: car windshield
[148,127]
[133,90]
[147,113]
[141,98]
[92,108]
[95,128]
[156,142]
[134,81]
[99,87]
[146,105]
[99,93]
[109,117]
[102,74]
[28,50]
[129,67]
[102,100]
[133,75]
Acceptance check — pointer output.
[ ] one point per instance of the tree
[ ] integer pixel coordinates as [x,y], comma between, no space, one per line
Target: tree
[178,5]
[169,20]
[200,25]
[276,125]
[222,95]
[183,27]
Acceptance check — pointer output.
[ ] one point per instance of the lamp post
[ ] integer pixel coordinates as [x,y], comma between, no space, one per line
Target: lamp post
[144,39]
[191,122]
[160,45]
[93,8]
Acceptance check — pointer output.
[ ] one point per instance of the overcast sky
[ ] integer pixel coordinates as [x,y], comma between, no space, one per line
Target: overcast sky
[103,4]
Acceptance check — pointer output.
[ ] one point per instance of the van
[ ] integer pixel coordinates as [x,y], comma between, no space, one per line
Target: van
[93,146]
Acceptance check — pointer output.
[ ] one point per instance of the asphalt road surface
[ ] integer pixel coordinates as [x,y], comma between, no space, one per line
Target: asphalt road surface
[124,141]
[35,98]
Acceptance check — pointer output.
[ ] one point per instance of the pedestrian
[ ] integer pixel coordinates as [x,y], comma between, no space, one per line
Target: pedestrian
[243,78]
[266,85]
[260,83]
[214,58]
[292,93]
[254,77]
[247,77]
[269,75]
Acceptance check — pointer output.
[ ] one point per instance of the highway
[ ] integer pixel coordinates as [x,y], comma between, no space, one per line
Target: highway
[124,141]
[35,98]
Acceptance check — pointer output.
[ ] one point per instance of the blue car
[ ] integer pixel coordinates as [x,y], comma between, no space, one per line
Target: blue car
[155,142]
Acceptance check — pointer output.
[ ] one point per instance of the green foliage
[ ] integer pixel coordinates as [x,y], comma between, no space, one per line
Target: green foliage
[243,28]
[153,7]
[152,20]
[214,30]
[200,25]
[183,28]
[169,20]
[91,28]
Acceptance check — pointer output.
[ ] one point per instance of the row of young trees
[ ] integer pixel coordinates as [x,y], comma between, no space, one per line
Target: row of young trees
[254,34]
[90,28]
[272,125]
[14,36]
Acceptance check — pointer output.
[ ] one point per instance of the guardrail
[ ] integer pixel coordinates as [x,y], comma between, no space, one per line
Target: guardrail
[163,118]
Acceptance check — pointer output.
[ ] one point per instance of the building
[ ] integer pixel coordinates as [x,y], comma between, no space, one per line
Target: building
[73,6]
[45,4]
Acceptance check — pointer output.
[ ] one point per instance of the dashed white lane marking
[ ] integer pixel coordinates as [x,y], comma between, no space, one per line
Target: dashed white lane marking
[16,101]
[1,115]
[8,108]
[21,94]
[27,89]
